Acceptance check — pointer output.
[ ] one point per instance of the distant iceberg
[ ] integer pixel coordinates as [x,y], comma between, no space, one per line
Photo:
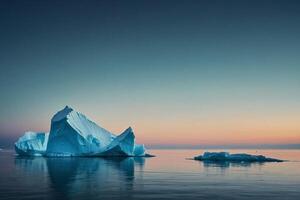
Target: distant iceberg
[241,157]
[73,134]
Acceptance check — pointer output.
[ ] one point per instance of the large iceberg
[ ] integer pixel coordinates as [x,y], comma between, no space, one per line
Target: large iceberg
[240,157]
[73,134]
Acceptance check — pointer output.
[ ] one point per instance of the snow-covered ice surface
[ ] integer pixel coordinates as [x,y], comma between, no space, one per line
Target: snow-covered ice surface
[240,157]
[73,134]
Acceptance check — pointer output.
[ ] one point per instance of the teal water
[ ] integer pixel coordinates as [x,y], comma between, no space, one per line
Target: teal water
[168,176]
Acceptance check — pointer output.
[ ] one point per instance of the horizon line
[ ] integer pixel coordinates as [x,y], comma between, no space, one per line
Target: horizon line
[232,146]
[187,147]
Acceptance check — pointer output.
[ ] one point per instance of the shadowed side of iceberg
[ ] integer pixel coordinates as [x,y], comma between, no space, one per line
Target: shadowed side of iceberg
[124,145]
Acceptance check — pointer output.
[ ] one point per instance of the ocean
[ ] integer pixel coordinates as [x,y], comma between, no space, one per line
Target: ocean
[169,175]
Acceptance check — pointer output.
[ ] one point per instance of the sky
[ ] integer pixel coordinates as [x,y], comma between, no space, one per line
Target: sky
[180,73]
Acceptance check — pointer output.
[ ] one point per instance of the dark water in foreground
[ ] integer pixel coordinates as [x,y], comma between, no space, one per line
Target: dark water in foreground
[167,176]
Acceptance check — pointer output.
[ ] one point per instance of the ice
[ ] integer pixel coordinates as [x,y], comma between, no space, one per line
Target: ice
[122,145]
[139,150]
[32,144]
[240,157]
[73,134]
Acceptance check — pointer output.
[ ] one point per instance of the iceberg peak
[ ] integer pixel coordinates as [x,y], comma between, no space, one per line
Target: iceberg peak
[129,129]
[61,114]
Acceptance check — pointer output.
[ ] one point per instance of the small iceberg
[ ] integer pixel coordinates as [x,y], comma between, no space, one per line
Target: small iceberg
[240,157]
[73,134]
[32,144]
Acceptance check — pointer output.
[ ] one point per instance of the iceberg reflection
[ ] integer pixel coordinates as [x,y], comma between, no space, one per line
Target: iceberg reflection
[228,164]
[79,176]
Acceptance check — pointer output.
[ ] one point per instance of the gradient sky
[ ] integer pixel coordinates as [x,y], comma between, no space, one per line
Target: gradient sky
[178,72]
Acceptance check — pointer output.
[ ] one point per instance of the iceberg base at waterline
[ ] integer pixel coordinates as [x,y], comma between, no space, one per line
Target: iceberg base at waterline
[73,134]
[239,157]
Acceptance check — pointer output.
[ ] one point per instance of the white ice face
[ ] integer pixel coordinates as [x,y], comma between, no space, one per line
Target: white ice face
[73,134]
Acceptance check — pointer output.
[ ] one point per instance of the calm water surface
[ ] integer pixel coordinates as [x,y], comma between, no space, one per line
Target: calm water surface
[168,176]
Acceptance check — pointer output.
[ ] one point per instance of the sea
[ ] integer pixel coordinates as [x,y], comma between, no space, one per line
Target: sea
[172,174]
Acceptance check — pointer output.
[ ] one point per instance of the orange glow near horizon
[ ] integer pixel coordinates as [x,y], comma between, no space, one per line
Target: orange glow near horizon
[192,130]
[240,131]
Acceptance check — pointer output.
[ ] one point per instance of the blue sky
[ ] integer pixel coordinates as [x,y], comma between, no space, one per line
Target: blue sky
[228,69]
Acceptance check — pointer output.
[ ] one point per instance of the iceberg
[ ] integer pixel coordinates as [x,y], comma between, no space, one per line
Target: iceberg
[240,157]
[121,145]
[32,144]
[73,134]
[124,145]
[140,150]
